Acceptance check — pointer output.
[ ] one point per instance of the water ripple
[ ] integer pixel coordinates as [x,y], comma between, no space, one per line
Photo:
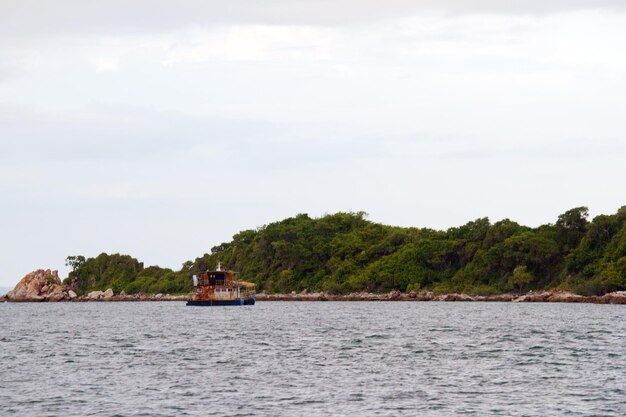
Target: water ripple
[344,359]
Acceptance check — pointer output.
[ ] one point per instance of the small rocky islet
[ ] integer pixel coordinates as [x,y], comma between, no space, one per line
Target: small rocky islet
[46,286]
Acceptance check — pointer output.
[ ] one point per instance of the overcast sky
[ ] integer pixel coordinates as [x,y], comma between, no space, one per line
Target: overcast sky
[160,129]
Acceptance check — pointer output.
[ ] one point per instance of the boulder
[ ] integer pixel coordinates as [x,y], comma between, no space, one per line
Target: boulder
[55,276]
[71,294]
[565,297]
[618,297]
[497,297]
[108,293]
[502,297]
[534,297]
[456,297]
[394,295]
[34,286]
[425,296]
[95,295]
[158,296]
[539,297]
[55,296]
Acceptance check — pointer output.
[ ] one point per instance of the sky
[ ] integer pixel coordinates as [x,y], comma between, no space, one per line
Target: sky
[159,129]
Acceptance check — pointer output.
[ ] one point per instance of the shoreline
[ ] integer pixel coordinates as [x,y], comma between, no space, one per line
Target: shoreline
[423,296]
[45,286]
[552,296]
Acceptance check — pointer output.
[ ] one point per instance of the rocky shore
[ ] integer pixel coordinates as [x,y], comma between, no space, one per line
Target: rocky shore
[45,286]
[552,296]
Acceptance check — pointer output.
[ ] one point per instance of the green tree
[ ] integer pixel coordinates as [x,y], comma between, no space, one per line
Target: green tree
[572,226]
[75,262]
[344,252]
[520,278]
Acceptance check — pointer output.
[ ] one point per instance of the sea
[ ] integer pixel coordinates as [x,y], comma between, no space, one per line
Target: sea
[313,359]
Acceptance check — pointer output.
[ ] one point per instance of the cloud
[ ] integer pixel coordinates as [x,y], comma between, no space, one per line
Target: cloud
[6,72]
[572,150]
[120,121]
[29,17]
[251,43]
[118,132]
[15,60]
[106,63]
[116,191]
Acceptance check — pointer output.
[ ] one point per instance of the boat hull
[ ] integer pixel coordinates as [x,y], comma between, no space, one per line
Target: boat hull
[209,303]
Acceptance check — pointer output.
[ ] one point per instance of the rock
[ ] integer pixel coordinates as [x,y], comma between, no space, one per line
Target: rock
[55,296]
[34,286]
[456,297]
[565,297]
[122,293]
[55,275]
[95,295]
[394,295]
[425,296]
[498,297]
[108,293]
[159,295]
[502,297]
[618,297]
[72,294]
[540,297]
[534,297]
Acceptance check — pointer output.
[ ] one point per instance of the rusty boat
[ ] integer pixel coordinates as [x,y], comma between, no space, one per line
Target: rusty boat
[220,288]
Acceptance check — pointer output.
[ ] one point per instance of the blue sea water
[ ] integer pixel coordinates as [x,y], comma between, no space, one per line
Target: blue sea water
[312,359]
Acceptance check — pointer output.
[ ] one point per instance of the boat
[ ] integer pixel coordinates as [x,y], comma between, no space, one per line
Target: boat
[220,288]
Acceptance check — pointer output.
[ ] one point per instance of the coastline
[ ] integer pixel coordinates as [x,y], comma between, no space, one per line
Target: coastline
[552,296]
[45,286]
[530,297]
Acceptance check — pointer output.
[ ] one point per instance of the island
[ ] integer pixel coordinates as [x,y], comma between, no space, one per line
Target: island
[345,256]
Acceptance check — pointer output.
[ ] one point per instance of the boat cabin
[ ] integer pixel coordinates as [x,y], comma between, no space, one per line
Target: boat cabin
[220,286]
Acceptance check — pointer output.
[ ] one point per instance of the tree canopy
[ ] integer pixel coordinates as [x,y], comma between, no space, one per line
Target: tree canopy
[345,252]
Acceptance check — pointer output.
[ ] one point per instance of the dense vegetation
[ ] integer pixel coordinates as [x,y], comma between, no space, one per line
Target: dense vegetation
[345,252]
